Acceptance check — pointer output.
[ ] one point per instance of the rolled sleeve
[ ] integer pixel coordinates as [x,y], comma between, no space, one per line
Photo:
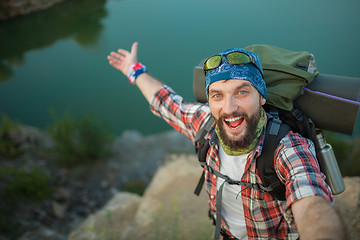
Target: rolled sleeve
[186,118]
[299,168]
[156,100]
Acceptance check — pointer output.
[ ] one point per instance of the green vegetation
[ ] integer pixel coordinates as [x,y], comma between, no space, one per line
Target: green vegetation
[79,140]
[32,186]
[19,185]
[76,141]
[8,149]
[8,226]
[136,186]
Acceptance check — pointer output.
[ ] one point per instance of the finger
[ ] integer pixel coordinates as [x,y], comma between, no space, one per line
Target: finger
[115,64]
[134,48]
[123,52]
[111,58]
[116,55]
[114,61]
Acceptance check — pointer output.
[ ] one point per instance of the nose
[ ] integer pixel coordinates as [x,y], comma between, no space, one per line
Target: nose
[230,106]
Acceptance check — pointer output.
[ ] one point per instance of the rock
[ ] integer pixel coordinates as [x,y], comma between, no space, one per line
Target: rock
[41,233]
[112,221]
[138,157]
[132,136]
[168,210]
[26,137]
[62,195]
[59,209]
[13,8]
[61,202]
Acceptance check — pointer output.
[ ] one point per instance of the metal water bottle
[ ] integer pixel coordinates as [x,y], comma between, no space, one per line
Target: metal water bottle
[329,166]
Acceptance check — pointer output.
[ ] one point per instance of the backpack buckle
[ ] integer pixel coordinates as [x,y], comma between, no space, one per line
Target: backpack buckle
[255,186]
[275,126]
[274,113]
[297,114]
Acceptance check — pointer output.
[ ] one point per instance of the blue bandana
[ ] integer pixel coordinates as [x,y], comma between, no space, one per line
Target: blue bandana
[247,72]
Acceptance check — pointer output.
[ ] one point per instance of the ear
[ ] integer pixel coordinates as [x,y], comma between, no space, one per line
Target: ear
[262,100]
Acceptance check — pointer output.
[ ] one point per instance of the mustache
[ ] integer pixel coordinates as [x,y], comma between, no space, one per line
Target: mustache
[234,114]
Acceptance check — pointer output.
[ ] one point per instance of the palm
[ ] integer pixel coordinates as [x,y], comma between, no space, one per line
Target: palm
[123,59]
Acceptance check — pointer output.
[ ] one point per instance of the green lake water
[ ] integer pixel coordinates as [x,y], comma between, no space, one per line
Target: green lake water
[57,58]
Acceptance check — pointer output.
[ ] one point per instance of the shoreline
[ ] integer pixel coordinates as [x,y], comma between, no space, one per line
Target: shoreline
[13,9]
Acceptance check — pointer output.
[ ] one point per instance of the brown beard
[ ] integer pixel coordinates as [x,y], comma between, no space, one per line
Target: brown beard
[249,134]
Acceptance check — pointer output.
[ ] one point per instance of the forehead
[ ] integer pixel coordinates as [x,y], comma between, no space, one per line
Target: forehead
[231,84]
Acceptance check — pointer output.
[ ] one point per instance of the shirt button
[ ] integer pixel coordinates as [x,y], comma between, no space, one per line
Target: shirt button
[212,196]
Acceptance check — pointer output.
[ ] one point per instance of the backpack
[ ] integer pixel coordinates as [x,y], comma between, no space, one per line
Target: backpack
[286,73]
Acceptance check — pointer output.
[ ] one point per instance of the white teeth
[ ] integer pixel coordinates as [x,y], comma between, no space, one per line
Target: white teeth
[232,119]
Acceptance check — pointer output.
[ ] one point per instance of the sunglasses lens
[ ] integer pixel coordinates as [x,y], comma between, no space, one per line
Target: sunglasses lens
[212,62]
[237,58]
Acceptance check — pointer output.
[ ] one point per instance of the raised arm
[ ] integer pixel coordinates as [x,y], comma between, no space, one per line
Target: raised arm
[123,60]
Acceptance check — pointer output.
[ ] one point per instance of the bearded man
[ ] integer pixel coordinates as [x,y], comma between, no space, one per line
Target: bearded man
[236,94]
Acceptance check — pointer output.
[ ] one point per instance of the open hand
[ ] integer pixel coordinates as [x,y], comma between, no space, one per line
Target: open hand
[123,59]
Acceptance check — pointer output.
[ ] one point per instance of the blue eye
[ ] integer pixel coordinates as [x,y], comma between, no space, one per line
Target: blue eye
[217,95]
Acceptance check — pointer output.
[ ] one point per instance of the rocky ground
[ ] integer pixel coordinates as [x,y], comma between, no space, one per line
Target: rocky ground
[82,192]
[167,210]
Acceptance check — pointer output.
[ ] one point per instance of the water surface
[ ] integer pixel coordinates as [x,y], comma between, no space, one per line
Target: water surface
[57,58]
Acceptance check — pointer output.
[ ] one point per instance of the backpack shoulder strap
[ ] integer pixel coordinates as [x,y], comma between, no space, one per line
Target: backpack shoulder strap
[201,147]
[202,144]
[275,131]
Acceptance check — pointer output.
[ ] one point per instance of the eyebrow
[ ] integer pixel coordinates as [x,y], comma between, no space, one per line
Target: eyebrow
[246,84]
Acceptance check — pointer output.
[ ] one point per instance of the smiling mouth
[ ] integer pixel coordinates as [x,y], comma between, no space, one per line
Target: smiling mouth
[234,122]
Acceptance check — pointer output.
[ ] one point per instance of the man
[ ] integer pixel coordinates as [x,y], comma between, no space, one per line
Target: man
[236,92]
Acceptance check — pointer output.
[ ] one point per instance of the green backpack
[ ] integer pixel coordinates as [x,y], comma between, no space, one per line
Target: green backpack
[286,73]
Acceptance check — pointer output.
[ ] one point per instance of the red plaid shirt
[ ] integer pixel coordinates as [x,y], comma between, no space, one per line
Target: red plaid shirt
[295,163]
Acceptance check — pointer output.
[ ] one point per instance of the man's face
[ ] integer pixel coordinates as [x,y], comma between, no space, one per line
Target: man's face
[236,107]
